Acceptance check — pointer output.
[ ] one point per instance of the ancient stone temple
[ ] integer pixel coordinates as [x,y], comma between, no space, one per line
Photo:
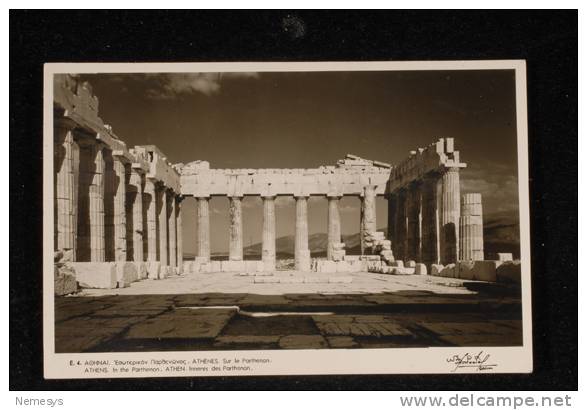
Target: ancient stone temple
[118,209]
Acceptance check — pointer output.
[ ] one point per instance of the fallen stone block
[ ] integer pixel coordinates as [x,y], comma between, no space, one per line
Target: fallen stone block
[485,270]
[509,272]
[127,273]
[464,269]
[397,264]
[403,271]
[100,275]
[370,258]
[436,269]
[449,271]
[421,269]
[350,258]
[410,264]
[65,281]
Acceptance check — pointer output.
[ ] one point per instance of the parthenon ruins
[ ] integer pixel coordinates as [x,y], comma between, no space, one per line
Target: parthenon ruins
[118,211]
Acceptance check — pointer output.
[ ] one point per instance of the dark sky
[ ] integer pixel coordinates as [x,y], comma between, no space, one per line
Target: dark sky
[298,120]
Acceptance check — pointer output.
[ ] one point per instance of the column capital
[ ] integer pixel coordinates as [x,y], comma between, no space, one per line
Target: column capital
[139,167]
[233,197]
[269,196]
[334,195]
[301,196]
[366,188]
[121,156]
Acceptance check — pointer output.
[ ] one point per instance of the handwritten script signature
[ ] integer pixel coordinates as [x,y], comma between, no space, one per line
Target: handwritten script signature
[479,361]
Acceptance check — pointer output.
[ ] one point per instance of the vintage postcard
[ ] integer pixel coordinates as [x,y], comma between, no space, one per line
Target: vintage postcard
[286,219]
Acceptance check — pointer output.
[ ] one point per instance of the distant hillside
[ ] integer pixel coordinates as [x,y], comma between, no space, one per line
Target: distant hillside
[501,234]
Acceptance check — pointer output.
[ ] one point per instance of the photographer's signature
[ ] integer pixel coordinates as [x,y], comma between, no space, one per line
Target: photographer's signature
[479,361]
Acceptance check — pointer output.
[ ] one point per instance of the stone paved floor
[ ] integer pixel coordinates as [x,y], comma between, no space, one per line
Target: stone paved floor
[288,310]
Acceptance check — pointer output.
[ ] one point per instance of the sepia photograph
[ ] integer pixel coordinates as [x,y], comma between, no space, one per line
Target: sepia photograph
[286,218]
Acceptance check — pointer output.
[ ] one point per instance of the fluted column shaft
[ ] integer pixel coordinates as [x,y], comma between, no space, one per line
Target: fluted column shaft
[391,211]
[414,222]
[179,230]
[172,230]
[151,201]
[368,214]
[163,250]
[236,229]
[119,209]
[449,219]
[429,220]
[136,185]
[302,252]
[334,229]
[203,218]
[96,205]
[471,228]
[401,230]
[268,251]
[66,162]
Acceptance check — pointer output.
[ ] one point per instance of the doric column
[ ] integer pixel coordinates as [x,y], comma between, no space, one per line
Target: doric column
[471,228]
[450,214]
[119,168]
[163,250]
[96,205]
[66,164]
[203,222]
[414,222]
[236,229]
[179,230]
[302,252]
[429,220]
[334,229]
[172,230]
[268,251]
[136,193]
[391,211]
[368,214]
[401,231]
[151,203]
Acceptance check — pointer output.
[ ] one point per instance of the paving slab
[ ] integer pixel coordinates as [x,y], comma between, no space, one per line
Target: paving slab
[303,342]
[360,325]
[183,324]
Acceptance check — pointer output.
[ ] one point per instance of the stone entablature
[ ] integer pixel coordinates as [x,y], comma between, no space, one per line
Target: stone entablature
[74,103]
[435,158]
[349,177]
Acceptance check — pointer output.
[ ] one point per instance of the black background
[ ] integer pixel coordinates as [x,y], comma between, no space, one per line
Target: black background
[546,40]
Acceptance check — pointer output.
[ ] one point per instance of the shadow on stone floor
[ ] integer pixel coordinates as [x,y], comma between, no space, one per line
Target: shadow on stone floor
[220,321]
